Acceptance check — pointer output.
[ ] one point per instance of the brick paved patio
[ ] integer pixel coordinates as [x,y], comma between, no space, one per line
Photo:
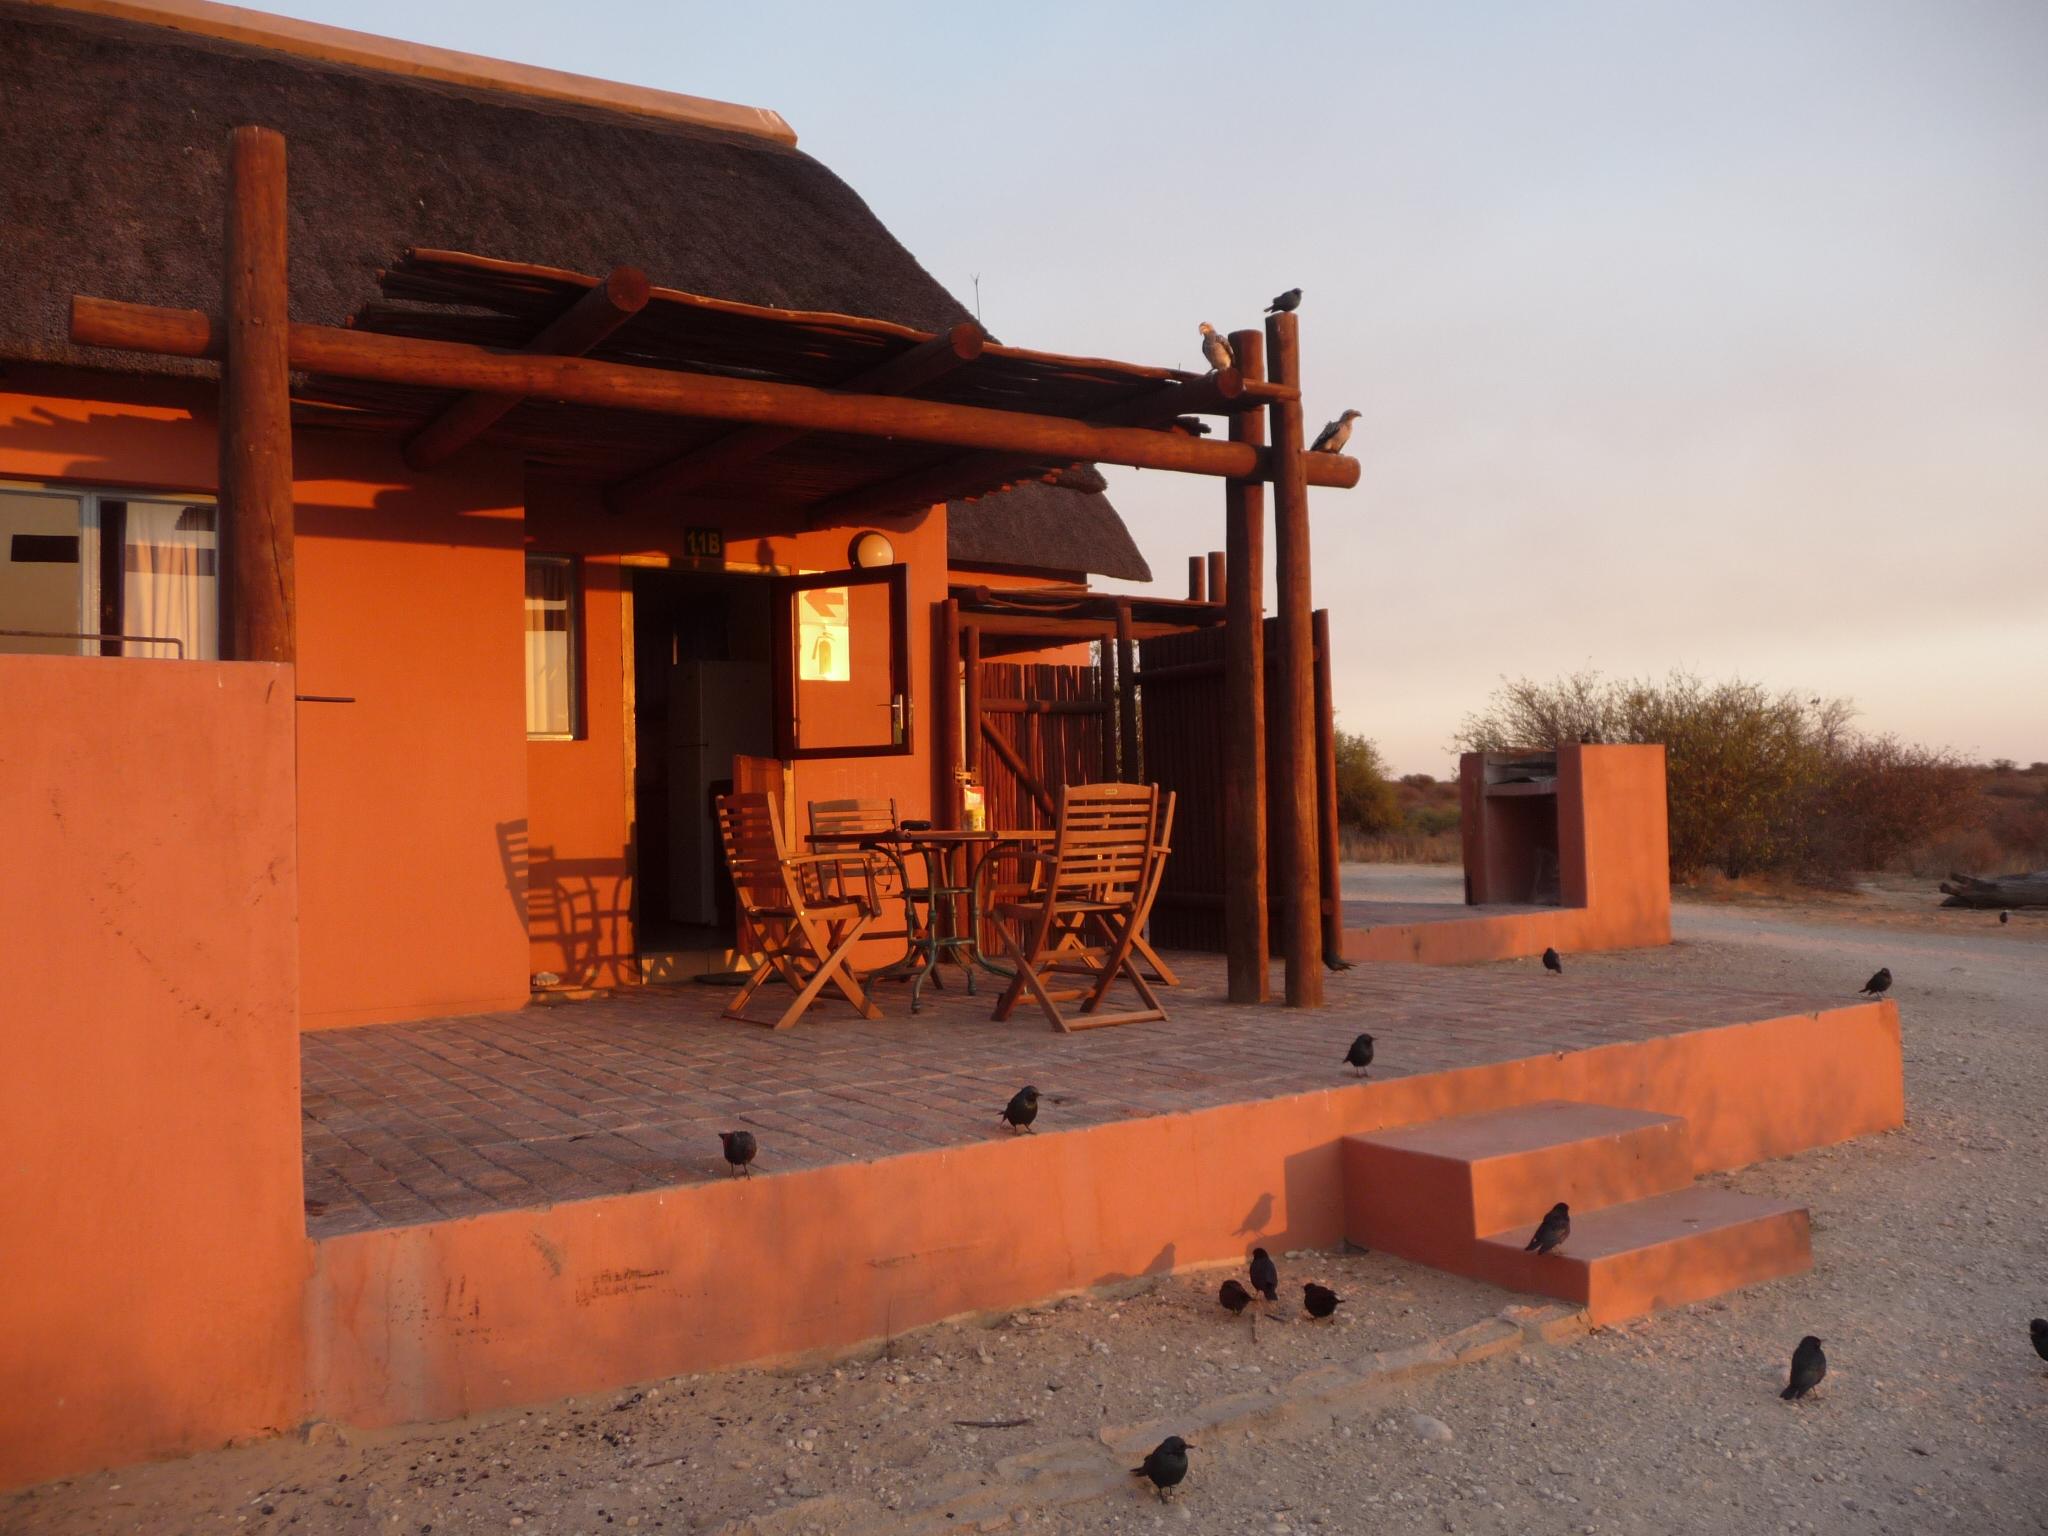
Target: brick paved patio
[452,1117]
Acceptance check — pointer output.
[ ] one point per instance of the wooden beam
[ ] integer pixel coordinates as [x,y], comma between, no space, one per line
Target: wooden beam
[1300,887]
[946,716]
[600,311]
[1020,768]
[1244,705]
[1218,564]
[1198,579]
[337,352]
[970,662]
[1133,771]
[256,405]
[1213,394]
[903,374]
[1327,841]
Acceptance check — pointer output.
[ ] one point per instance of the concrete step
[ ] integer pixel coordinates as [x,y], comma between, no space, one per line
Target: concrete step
[1628,1260]
[1427,1191]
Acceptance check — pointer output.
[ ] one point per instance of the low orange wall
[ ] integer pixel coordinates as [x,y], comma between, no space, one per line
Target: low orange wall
[150,1195]
[434,1321]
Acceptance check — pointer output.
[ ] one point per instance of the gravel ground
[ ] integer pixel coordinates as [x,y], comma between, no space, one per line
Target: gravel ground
[1930,1256]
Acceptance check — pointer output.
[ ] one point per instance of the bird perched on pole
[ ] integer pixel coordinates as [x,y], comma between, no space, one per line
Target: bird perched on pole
[1166,1465]
[1879,984]
[1334,436]
[1216,349]
[1265,1275]
[1552,1231]
[1808,1366]
[1360,1054]
[739,1150]
[1286,303]
[1320,1300]
[1551,963]
[1021,1110]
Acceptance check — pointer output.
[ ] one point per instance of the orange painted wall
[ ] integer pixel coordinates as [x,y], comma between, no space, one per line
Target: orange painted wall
[150,1193]
[579,799]
[432,1321]
[410,602]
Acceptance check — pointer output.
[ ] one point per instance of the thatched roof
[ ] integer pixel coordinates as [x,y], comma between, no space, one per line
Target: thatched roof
[112,182]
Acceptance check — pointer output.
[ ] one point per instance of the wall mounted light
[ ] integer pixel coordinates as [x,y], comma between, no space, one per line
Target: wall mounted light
[871,549]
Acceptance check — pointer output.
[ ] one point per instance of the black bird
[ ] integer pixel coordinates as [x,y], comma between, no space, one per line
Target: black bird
[1190,426]
[2005,917]
[1360,1054]
[740,1148]
[1551,963]
[1553,1230]
[2039,1329]
[1335,435]
[1286,303]
[1235,1298]
[1021,1110]
[1879,984]
[1166,1465]
[1265,1275]
[1808,1366]
[1320,1300]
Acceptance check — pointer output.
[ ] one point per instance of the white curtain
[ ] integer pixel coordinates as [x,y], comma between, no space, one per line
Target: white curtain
[170,587]
[549,665]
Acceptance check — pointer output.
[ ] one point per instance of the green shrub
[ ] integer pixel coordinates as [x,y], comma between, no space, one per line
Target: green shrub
[1759,782]
[1365,800]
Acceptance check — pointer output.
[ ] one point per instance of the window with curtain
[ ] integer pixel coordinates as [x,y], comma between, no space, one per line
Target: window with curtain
[551,625]
[106,573]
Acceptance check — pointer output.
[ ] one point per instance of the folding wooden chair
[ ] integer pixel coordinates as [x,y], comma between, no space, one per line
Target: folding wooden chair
[1095,885]
[802,931]
[1078,941]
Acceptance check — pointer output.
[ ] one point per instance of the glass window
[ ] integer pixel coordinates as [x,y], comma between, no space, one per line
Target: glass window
[103,573]
[843,663]
[551,661]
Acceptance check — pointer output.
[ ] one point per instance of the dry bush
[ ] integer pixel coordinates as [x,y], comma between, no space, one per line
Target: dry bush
[1405,847]
[1760,783]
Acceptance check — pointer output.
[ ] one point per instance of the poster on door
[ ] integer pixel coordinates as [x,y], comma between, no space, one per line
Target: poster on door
[824,637]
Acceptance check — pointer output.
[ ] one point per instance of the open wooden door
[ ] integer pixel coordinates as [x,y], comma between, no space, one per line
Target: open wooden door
[842,672]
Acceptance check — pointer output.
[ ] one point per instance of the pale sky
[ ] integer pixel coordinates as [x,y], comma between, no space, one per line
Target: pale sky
[1711,336]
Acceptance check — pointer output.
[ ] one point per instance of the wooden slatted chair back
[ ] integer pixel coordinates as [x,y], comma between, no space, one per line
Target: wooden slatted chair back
[754,850]
[1104,842]
[852,818]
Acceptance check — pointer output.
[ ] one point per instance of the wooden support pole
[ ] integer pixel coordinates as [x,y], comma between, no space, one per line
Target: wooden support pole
[1198,579]
[970,710]
[1326,799]
[1244,704]
[256,405]
[339,353]
[1217,566]
[1129,769]
[1300,885]
[908,371]
[946,716]
[600,311]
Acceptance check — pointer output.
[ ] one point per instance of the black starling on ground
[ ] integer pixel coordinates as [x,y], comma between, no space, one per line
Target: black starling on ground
[1021,1110]
[1167,1464]
[1235,1298]
[1552,1232]
[740,1148]
[1551,963]
[1879,984]
[1320,1300]
[1360,1054]
[2039,1329]
[1286,304]
[1265,1275]
[1334,436]
[2005,917]
[1808,1366]
[1216,349]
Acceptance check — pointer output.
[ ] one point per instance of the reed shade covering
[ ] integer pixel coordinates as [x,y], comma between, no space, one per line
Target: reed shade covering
[454,296]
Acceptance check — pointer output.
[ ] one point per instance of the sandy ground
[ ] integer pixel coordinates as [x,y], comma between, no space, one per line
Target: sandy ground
[1930,1256]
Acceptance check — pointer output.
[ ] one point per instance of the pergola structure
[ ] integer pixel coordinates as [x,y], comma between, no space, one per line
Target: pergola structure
[657,394]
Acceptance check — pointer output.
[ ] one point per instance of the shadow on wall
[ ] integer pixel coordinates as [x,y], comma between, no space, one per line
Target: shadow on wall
[580,909]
